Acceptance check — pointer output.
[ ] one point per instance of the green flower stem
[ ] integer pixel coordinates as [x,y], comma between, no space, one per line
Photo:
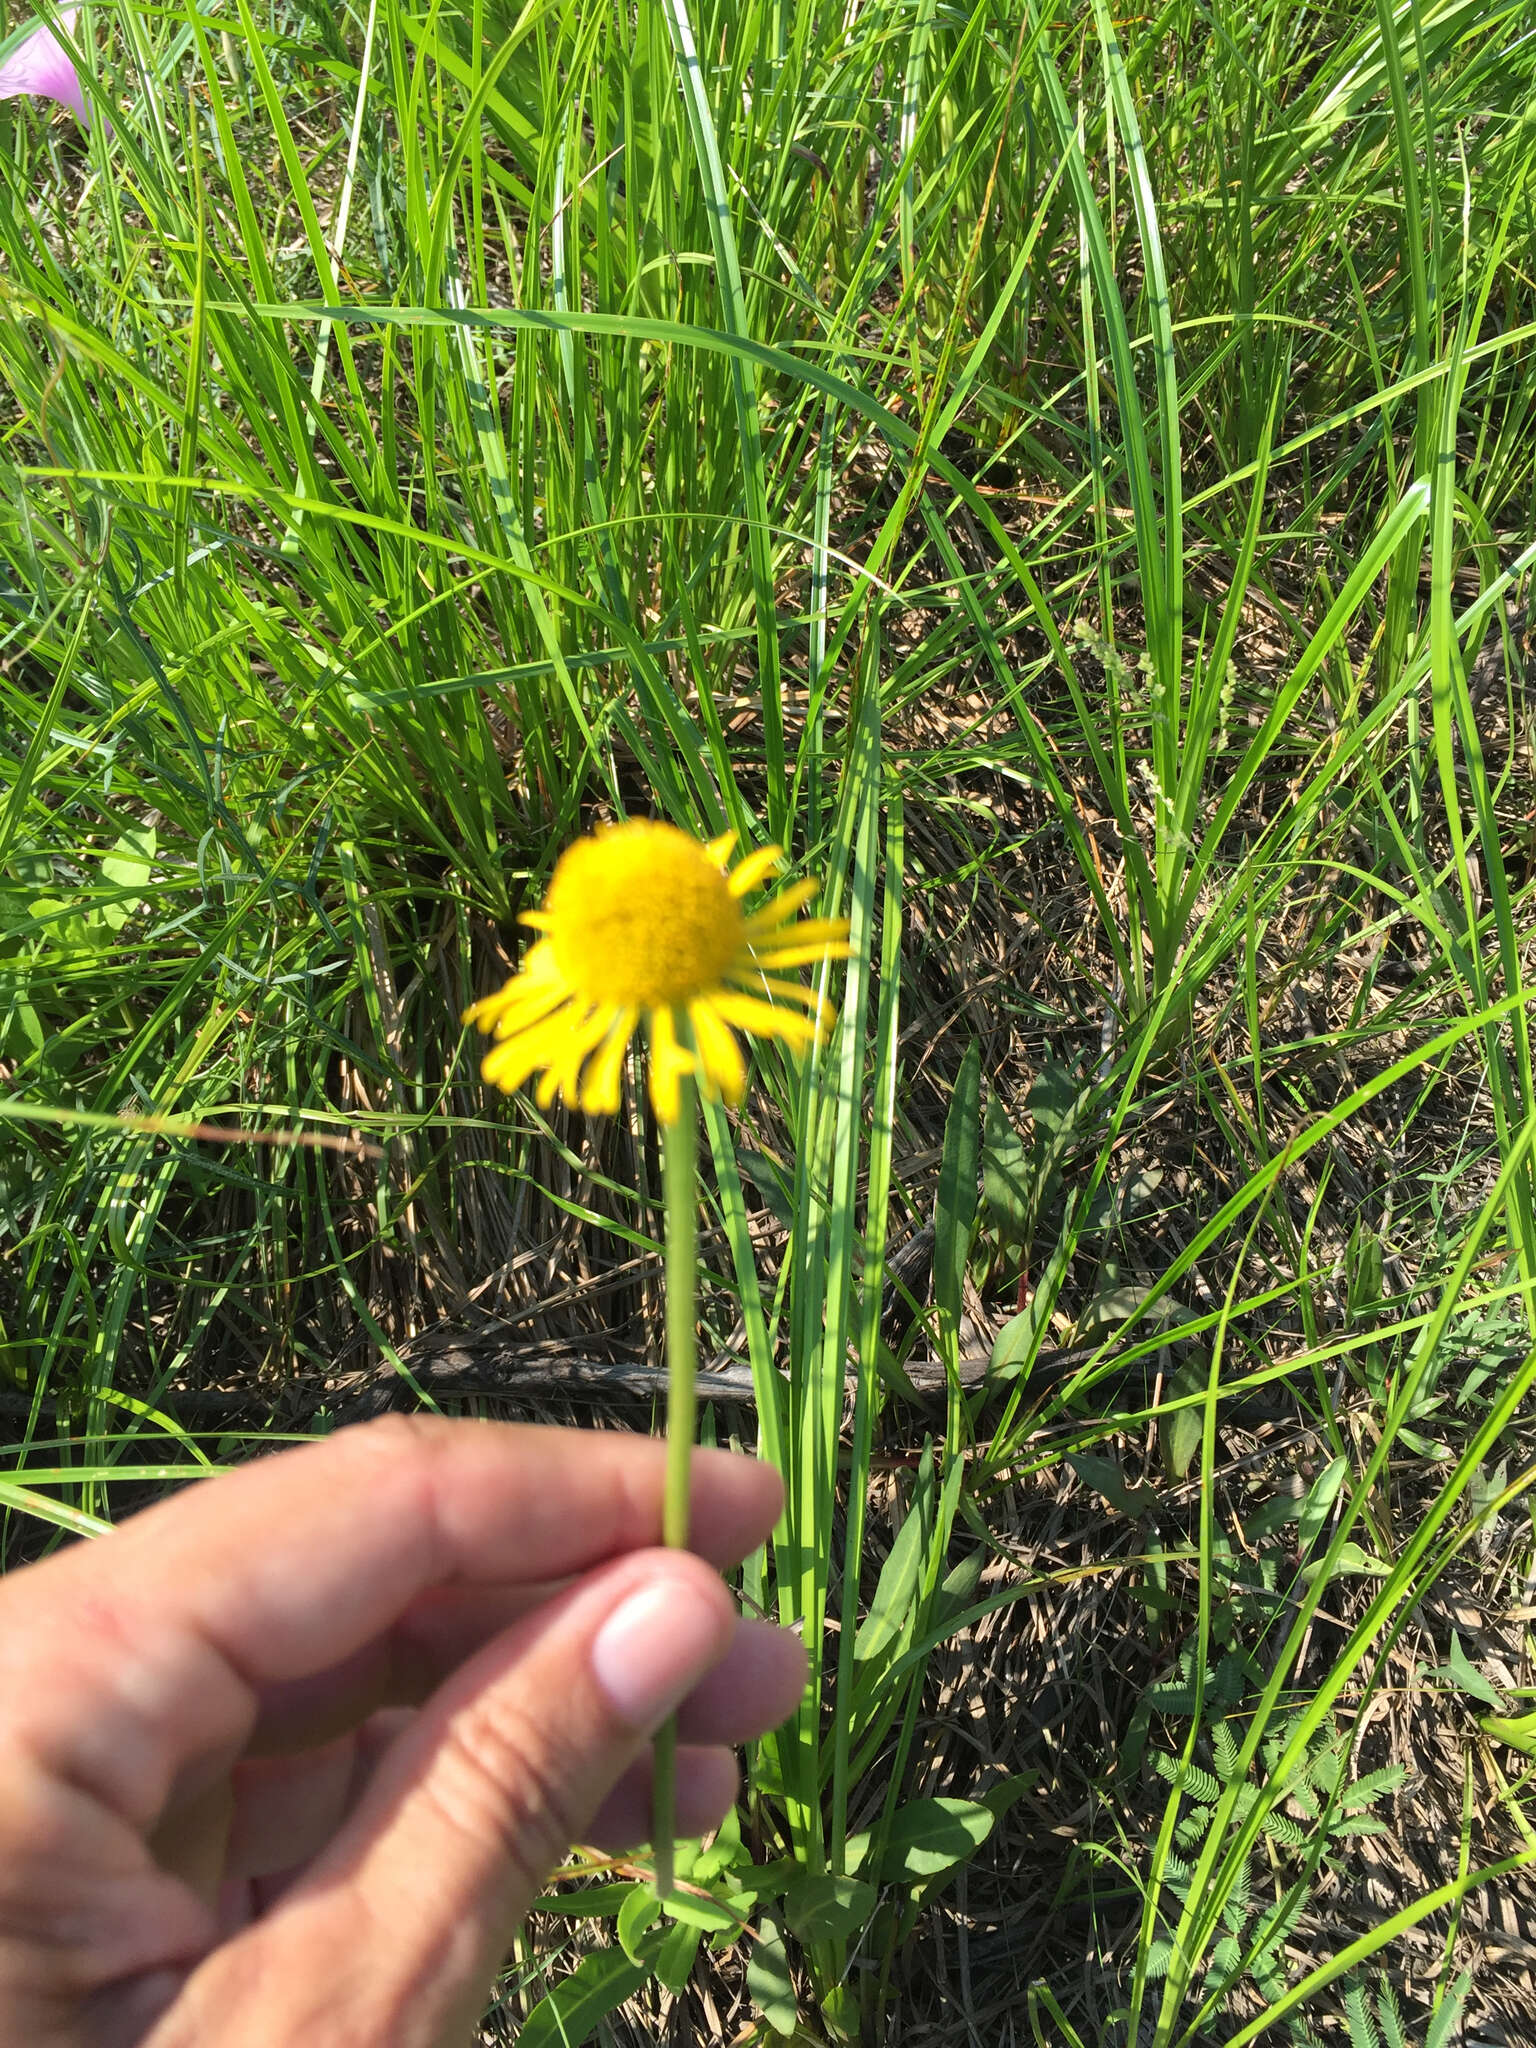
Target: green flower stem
[680,1201]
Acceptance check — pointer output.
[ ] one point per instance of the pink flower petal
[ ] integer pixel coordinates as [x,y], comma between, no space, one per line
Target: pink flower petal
[43,68]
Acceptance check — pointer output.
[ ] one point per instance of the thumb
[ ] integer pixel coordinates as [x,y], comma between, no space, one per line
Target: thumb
[393,1935]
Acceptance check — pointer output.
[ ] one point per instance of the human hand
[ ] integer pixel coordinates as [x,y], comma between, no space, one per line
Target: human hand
[285,1759]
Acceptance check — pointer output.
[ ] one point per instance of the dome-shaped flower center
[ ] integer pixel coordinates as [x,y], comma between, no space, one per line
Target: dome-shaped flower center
[641,916]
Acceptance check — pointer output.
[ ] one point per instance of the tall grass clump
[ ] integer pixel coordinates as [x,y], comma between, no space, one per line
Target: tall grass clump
[1066,477]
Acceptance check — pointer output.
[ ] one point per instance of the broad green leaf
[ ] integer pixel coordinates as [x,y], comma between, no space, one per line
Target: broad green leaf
[957,1588]
[772,1181]
[1113,1203]
[569,2014]
[638,1914]
[1318,1505]
[828,1908]
[1054,1095]
[22,1033]
[1354,1563]
[1016,1344]
[675,1956]
[892,1609]
[1460,1667]
[1060,1107]
[928,1836]
[753,1881]
[1007,1792]
[769,1983]
[592,1902]
[1122,1300]
[129,862]
[1006,1178]
[725,1850]
[1270,1517]
[64,931]
[128,866]
[1178,1434]
[739,1905]
[1106,1478]
[1486,1488]
[693,1910]
[840,2012]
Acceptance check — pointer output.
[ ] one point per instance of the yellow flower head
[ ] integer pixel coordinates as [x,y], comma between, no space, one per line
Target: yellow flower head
[642,921]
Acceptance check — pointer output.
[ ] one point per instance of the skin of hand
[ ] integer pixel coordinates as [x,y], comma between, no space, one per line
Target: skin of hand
[285,1759]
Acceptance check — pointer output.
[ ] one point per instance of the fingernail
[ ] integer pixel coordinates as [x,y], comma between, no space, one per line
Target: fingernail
[653,1649]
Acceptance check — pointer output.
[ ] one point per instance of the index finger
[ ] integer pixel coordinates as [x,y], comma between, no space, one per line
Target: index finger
[159,1637]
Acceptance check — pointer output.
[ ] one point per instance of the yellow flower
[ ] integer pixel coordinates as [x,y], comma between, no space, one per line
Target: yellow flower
[642,921]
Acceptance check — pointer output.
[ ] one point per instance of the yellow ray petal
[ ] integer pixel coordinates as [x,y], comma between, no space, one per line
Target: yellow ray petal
[669,1062]
[508,1065]
[720,1059]
[531,1010]
[538,977]
[486,1011]
[782,909]
[516,1011]
[764,1020]
[565,1072]
[786,992]
[698,969]
[831,932]
[803,953]
[748,874]
[524,1015]
[600,1092]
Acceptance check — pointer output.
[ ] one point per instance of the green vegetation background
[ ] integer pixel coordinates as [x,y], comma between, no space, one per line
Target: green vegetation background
[1068,478]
